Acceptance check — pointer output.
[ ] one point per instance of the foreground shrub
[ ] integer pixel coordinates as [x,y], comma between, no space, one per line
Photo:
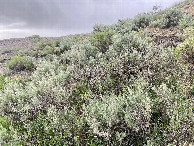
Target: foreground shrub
[138,116]
[120,120]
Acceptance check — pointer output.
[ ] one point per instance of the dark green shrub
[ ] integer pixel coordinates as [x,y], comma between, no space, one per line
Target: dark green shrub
[172,17]
[141,21]
[47,50]
[20,63]
[169,18]
[2,81]
[57,44]
[102,40]
[5,131]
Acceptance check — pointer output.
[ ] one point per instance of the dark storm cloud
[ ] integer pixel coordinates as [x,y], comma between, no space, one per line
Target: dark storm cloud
[60,17]
[34,12]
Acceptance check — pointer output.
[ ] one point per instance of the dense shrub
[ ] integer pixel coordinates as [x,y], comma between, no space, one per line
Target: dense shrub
[2,81]
[137,116]
[186,21]
[79,54]
[19,63]
[113,87]
[124,25]
[186,47]
[131,111]
[130,41]
[127,25]
[66,44]
[48,50]
[42,48]
[6,133]
[142,21]
[170,17]
[102,40]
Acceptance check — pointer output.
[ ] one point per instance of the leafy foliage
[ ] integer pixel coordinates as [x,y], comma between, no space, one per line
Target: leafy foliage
[102,40]
[19,63]
[172,17]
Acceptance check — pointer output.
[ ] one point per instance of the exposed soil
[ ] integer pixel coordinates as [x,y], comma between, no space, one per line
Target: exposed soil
[188,7]
[166,37]
[21,43]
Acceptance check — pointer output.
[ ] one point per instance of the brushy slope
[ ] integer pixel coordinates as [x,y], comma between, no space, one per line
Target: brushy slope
[130,83]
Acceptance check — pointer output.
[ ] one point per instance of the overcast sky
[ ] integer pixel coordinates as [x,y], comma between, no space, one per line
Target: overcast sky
[21,18]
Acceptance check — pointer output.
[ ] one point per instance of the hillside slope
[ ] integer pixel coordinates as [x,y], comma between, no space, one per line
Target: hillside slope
[129,83]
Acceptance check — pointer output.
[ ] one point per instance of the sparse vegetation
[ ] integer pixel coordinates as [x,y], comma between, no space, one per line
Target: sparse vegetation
[116,86]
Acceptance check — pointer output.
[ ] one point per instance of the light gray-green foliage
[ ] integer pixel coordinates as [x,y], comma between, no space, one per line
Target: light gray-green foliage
[127,91]
[186,21]
[80,53]
[66,44]
[132,110]
[170,18]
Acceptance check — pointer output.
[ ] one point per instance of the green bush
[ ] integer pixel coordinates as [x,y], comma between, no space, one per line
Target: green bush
[66,44]
[130,41]
[143,116]
[141,21]
[2,81]
[43,48]
[35,38]
[20,63]
[170,18]
[186,21]
[131,111]
[5,132]
[57,44]
[185,49]
[79,54]
[102,40]
[127,25]
[48,50]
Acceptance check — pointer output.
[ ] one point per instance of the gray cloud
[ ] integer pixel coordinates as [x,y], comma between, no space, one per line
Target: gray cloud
[61,17]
